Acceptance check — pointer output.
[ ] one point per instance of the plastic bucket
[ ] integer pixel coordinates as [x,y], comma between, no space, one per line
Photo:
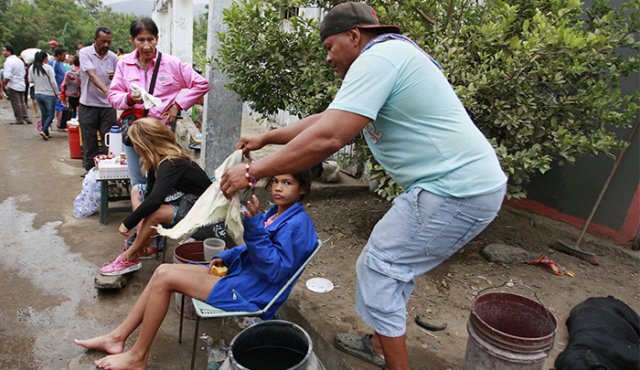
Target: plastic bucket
[508,331]
[272,345]
[213,247]
[188,253]
[75,151]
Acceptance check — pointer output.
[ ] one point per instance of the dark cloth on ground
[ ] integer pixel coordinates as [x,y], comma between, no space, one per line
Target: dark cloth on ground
[604,334]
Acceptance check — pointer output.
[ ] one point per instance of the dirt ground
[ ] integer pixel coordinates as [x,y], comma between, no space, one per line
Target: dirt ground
[446,294]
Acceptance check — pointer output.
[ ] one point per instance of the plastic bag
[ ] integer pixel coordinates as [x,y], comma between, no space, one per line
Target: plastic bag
[555,268]
[87,202]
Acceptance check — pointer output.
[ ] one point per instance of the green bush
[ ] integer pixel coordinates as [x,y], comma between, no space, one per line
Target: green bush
[539,78]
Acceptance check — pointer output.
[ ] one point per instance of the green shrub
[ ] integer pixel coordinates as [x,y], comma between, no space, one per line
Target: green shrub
[539,78]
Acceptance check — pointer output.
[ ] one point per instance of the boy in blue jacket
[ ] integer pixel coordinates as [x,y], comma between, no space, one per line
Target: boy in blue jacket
[278,242]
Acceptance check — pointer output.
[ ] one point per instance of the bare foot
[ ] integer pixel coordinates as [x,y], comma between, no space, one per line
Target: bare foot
[102,343]
[122,361]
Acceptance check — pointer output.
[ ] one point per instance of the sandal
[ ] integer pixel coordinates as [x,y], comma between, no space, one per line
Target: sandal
[360,347]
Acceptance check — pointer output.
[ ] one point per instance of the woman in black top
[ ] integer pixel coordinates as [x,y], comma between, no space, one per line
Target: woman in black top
[174,181]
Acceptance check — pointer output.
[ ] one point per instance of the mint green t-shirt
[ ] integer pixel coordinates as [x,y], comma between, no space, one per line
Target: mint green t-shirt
[419,131]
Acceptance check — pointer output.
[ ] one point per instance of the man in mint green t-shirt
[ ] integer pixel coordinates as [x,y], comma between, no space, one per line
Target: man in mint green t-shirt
[419,131]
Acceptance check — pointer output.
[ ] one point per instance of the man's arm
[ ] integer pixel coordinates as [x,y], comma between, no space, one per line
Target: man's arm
[96,81]
[315,142]
[285,134]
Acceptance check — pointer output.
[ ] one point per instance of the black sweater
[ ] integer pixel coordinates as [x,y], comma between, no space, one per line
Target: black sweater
[176,174]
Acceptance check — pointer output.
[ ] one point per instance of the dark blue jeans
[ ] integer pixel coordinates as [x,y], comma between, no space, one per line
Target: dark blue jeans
[47,104]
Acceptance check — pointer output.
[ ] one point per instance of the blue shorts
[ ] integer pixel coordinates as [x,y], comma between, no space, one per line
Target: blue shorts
[172,199]
[418,233]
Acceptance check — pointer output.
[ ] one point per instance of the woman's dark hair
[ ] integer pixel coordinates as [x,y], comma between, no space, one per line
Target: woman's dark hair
[76,60]
[303,178]
[38,61]
[143,24]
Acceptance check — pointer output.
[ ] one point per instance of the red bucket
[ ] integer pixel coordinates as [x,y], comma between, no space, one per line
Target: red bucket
[509,331]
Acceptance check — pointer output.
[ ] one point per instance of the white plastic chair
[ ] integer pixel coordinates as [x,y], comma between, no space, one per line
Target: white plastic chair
[206,311]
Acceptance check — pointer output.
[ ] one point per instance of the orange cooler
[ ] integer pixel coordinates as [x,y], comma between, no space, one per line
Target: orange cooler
[75,151]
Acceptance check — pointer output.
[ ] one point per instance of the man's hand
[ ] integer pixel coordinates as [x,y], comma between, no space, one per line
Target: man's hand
[234,179]
[250,143]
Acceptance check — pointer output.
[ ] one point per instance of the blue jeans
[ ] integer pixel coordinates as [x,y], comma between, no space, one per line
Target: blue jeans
[47,105]
[133,165]
[418,233]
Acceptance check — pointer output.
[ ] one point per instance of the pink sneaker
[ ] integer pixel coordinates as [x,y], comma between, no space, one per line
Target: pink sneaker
[120,266]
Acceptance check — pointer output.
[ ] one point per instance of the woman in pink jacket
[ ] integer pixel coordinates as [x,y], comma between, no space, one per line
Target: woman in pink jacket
[137,68]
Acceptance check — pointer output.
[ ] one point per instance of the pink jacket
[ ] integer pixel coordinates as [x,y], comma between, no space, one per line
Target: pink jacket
[173,76]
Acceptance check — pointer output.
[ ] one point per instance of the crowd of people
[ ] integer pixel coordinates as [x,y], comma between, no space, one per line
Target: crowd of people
[392,91]
[19,85]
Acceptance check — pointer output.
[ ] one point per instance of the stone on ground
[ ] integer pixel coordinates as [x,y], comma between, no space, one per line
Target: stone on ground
[503,253]
[109,282]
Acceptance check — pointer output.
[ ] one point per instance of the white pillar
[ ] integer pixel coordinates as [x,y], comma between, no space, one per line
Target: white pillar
[161,15]
[182,30]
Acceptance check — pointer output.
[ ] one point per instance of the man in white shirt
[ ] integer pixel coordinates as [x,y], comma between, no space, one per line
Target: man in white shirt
[14,80]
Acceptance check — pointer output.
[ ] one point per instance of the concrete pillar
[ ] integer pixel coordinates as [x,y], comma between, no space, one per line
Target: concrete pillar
[223,108]
[182,30]
[161,15]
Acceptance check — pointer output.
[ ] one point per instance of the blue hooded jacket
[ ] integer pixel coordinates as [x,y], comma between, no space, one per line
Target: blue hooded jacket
[259,269]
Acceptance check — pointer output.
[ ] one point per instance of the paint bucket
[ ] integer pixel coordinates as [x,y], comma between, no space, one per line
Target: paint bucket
[272,345]
[508,332]
[188,253]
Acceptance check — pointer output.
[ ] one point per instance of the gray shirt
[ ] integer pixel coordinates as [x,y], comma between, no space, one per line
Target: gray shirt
[44,83]
[89,59]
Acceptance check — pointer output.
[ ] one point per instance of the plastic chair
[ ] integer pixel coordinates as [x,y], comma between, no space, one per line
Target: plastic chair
[206,311]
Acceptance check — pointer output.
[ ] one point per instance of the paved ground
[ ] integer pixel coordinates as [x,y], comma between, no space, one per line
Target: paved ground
[49,259]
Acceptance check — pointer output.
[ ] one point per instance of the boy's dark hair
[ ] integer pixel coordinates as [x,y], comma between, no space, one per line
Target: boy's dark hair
[303,178]
[58,51]
[104,30]
[10,49]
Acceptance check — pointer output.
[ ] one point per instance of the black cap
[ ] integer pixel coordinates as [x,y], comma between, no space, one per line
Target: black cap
[346,16]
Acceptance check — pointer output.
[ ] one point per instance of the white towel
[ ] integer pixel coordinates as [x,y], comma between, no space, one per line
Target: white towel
[212,207]
[148,99]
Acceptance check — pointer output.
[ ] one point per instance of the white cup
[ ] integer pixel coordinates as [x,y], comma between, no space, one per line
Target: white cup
[212,247]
